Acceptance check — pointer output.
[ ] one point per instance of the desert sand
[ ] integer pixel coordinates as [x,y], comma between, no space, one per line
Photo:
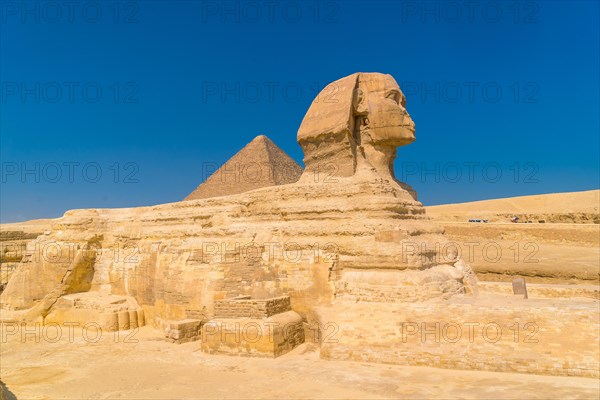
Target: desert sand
[571,207]
[143,366]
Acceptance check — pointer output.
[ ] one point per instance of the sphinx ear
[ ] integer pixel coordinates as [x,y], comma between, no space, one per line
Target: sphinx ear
[359,102]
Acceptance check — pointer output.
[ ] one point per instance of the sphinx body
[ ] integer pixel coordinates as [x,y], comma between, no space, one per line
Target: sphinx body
[347,230]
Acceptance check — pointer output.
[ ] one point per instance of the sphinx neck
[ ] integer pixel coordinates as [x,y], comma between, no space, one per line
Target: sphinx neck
[377,159]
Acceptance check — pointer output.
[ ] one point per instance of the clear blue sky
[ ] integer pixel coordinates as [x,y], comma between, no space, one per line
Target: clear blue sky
[500,86]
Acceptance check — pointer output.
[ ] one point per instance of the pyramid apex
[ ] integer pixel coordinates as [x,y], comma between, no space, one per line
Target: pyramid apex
[261,138]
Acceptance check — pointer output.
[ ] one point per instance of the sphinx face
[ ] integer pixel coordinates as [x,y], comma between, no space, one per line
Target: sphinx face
[387,121]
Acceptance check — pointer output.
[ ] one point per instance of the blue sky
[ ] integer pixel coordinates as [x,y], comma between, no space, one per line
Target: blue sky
[120,104]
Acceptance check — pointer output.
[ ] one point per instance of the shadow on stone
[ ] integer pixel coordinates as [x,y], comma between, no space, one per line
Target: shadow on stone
[5,393]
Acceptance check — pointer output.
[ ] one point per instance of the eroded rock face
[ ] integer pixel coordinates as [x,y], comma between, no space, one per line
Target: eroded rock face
[354,234]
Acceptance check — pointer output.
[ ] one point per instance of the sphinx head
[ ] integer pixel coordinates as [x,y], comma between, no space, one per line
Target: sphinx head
[355,124]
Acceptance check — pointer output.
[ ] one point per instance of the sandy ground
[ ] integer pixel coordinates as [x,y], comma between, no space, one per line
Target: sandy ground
[143,366]
[586,202]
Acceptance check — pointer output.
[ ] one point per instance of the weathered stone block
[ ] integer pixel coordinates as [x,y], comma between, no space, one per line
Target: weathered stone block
[245,307]
[268,337]
[494,333]
[183,331]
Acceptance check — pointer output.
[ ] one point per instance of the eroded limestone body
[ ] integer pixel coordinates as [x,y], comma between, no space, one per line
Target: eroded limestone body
[313,242]
[347,230]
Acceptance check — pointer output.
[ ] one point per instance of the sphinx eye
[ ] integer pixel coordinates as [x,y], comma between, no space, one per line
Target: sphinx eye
[394,95]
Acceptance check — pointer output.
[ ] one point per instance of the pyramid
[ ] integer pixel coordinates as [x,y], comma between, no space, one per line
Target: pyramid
[259,164]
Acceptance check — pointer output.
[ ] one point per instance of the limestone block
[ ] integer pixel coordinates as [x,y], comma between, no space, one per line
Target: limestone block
[110,321]
[492,332]
[141,317]
[183,331]
[133,319]
[266,337]
[246,307]
[123,318]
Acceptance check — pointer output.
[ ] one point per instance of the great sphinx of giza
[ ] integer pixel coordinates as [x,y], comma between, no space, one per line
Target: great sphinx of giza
[347,230]
[346,249]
